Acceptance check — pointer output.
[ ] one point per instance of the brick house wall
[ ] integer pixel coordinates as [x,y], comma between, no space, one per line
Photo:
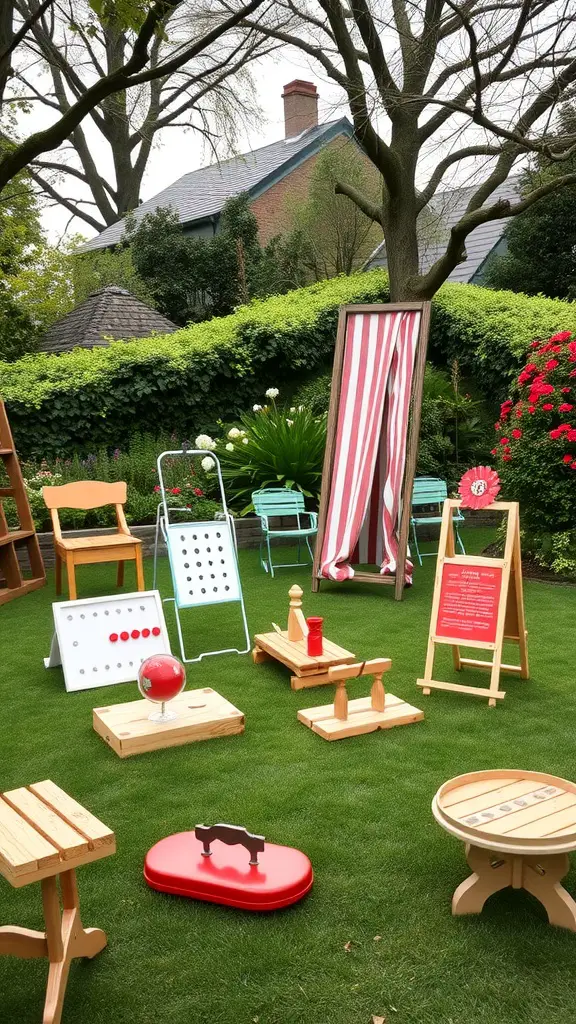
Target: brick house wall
[274,208]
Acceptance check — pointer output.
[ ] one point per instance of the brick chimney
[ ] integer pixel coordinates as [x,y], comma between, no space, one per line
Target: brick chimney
[300,107]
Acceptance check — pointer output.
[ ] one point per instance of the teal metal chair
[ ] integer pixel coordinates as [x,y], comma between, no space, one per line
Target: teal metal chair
[431,491]
[272,502]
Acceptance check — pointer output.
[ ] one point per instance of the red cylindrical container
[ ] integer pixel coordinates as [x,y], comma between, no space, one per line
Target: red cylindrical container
[315,636]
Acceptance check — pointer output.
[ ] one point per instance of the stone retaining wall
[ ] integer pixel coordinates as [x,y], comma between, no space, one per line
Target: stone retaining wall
[247,532]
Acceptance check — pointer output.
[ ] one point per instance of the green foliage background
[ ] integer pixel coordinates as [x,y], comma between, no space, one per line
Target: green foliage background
[189,380]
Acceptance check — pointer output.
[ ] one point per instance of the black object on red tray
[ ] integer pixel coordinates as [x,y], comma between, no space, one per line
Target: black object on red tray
[211,864]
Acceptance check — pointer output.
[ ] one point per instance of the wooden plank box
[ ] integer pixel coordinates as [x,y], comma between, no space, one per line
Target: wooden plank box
[202,715]
[362,718]
[308,670]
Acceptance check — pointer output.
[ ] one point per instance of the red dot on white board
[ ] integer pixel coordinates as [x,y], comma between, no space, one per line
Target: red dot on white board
[135,634]
[156,631]
[145,632]
[124,636]
[113,637]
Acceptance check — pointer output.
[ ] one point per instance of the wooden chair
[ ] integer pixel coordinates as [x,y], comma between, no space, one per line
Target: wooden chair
[116,547]
[428,491]
[272,502]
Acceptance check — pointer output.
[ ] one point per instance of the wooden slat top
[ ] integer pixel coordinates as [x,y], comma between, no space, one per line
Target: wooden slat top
[507,808]
[294,654]
[43,831]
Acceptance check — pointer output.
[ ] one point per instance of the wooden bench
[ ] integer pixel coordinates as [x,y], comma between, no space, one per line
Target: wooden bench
[44,833]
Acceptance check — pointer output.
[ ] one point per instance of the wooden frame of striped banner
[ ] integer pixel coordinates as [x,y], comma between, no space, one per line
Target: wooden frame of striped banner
[411,444]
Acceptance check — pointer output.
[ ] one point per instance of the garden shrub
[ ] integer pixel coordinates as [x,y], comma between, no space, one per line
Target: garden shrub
[186,482]
[536,451]
[275,447]
[192,378]
[186,380]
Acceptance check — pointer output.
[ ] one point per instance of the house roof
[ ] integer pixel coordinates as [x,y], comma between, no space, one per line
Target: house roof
[201,194]
[108,313]
[447,208]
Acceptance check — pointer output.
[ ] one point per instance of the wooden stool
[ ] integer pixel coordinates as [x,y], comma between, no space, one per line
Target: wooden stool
[519,828]
[289,646]
[45,833]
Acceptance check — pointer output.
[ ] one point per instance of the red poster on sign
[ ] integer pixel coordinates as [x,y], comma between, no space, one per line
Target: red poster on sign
[469,598]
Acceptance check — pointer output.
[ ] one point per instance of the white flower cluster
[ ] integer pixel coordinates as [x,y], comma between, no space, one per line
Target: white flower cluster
[256,408]
[208,464]
[272,393]
[205,442]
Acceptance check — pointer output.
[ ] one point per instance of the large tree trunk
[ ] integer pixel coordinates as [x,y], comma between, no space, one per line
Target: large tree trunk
[6,36]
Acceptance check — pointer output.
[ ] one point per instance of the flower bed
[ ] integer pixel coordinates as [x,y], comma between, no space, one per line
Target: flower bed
[536,451]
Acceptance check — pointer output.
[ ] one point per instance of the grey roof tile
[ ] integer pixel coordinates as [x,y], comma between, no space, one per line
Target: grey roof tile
[201,194]
[111,312]
[450,206]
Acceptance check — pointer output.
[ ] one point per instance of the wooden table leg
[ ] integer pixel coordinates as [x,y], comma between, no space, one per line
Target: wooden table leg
[538,875]
[541,876]
[491,872]
[66,939]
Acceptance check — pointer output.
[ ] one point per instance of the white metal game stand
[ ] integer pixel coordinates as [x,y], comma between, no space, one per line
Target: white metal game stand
[100,641]
[203,558]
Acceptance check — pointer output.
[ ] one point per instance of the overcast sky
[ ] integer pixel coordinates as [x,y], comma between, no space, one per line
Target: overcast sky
[178,151]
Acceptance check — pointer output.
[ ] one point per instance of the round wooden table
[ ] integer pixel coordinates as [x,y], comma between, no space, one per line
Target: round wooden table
[519,827]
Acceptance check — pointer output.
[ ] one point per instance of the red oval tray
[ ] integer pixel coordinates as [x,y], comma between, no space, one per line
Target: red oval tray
[176,865]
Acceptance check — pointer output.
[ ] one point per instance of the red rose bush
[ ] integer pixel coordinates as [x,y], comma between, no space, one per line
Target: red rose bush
[535,453]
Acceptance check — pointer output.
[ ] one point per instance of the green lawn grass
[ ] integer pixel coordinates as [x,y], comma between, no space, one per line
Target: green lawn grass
[360,808]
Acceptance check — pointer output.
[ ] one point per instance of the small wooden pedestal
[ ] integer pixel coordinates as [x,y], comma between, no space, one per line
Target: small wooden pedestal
[518,828]
[307,671]
[44,833]
[202,715]
[361,717]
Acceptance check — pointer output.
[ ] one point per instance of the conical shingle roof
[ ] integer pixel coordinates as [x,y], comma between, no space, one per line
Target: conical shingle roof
[110,312]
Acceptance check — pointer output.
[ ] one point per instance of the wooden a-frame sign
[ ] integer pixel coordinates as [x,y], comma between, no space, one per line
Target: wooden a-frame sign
[478,602]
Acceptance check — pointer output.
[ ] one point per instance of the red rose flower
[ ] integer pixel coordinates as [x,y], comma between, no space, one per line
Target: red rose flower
[573,466]
[495,450]
[546,389]
[551,364]
[519,412]
[516,433]
[504,440]
[571,435]
[176,490]
[506,458]
[567,458]
[562,336]
[199,493]
[572,373]
[497,426]
[565,407]
[534,344]
[531,410]
[156,489]
[548,407]
[566,391]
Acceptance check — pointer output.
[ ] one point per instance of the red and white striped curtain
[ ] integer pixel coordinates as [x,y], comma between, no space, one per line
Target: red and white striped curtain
[370,450]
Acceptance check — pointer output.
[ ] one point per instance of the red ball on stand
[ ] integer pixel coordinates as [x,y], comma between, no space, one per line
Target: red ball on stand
[161,678]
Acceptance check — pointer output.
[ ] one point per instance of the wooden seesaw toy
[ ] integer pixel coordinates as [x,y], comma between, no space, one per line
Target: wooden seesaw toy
[345,717]
[186,864]
[290,647]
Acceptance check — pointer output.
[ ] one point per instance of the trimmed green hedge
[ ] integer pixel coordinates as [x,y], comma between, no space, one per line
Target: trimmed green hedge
[489,331]
[187,380]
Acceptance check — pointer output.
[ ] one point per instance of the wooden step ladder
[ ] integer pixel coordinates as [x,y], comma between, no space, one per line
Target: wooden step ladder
[13,583]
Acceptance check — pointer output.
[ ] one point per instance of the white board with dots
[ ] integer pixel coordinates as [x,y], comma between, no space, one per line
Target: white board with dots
[203,562]
[103,640]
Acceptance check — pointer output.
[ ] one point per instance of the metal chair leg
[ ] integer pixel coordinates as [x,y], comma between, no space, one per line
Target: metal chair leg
[417,549]
[270,562]
[263,561]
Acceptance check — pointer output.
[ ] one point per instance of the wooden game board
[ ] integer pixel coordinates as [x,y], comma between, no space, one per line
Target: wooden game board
[290,646]
[519,827]
[202,715]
